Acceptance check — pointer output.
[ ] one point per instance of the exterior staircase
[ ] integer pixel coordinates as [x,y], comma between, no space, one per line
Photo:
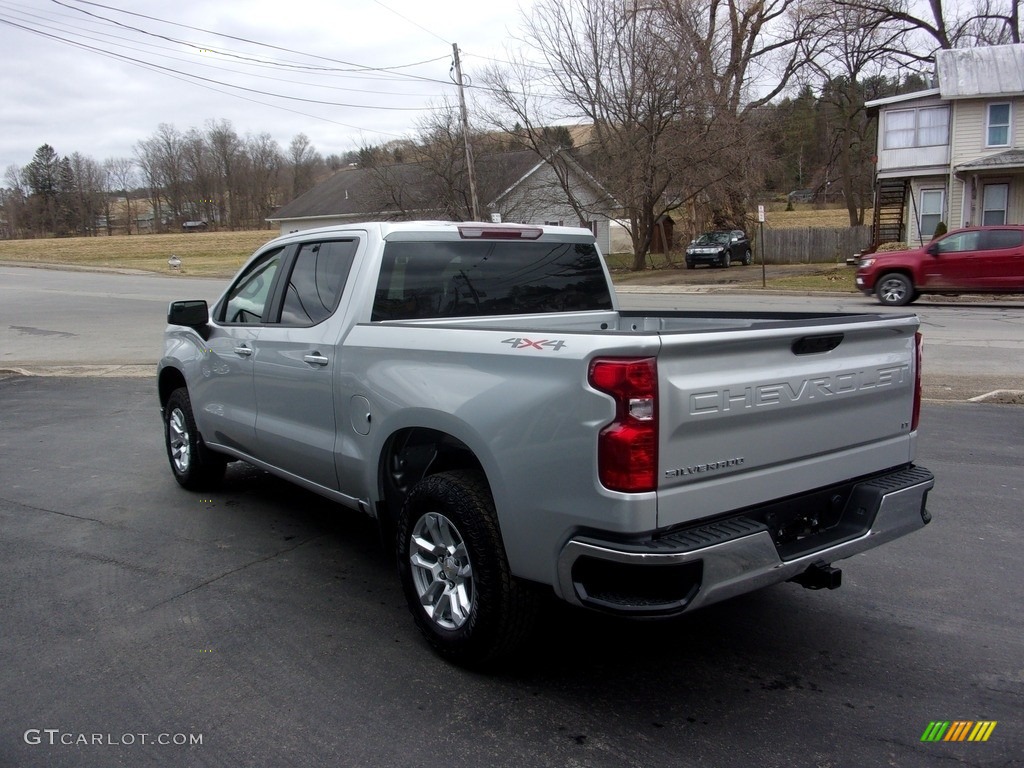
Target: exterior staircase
[890,203]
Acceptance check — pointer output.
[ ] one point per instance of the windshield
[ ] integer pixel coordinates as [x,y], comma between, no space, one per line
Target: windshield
[481,277]
[713,238]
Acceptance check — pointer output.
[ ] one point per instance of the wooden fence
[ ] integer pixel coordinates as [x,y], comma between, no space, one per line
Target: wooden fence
[810,245]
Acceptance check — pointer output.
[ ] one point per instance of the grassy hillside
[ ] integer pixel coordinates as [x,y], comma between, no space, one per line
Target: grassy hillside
[809,216]
[201,253]
[219,254]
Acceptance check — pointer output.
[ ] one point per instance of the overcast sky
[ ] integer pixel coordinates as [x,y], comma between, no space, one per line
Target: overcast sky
[97,77]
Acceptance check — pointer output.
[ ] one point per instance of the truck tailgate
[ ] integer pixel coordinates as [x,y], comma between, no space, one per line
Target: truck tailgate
[777,409]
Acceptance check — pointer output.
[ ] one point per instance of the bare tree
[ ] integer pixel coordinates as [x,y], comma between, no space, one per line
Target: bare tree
[162,159]
[947,23]
[85,193]
[997,22]
[15,203]
[227,149]
[264,162]
[304,162]
[201,182]
[122,180]
[441,154]
[666,122]
[859,48]
[147,154]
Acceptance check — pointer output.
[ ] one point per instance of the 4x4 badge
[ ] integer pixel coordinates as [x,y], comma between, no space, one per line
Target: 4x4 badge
[520,343]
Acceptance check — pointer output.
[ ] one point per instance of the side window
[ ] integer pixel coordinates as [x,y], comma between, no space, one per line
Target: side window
[247,300]
[317,281]
[1003,238]
[960,242]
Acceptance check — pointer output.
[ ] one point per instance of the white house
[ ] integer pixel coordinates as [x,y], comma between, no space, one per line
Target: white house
[518,187]
[955,153]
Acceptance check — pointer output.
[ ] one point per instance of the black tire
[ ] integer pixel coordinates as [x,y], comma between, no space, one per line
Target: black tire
[457,580]
[690,265]
[726,260]
[895,289]
[747,258]
[194,465]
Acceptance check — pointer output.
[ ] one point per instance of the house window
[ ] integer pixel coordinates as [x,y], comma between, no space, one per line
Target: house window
[932,205]
[925,127]
[993,203]
[998,134]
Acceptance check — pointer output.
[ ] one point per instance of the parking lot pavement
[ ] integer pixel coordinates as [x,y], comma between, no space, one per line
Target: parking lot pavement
[259,625]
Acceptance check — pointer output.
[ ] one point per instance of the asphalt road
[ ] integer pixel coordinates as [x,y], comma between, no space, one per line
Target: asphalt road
[268,625]
[53,320]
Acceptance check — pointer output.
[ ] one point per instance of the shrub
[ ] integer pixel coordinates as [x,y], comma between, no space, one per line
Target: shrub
[891,247]
[940,230]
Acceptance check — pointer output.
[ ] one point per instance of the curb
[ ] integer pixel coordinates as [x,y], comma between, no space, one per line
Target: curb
[82,371]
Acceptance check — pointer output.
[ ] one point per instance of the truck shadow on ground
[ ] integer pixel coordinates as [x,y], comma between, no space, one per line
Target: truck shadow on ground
[782,638]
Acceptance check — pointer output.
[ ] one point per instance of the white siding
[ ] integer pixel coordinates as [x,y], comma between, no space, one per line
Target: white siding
[969,128]
[540,199]
[909,158]
[914,207]
[972,214]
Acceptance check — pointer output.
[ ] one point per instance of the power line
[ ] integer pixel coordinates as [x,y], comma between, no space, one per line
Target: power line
[124,43]
[151,65]
[103,37]
[184,77]
[419,26]
[356,67]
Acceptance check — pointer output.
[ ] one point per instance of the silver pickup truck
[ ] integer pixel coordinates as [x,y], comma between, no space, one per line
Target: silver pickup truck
[476,389]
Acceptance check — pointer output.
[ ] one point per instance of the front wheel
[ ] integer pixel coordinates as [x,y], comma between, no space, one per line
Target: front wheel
[454,572]
[726,260]
[895,289]
[747,258]
[194,465]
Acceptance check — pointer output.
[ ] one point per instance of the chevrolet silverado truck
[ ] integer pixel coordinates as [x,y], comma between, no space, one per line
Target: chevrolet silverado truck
[478,391]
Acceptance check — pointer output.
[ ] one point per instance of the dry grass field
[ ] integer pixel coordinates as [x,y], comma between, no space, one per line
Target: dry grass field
[202,254]
[809,216]
[219,254]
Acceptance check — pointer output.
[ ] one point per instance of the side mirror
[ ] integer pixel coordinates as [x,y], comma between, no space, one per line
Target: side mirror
[932,249]
[193,313]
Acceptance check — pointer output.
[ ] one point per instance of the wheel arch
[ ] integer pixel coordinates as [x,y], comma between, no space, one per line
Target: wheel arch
[170,379]
[412,453]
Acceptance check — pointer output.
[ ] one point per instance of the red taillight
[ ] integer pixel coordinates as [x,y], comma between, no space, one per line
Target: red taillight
[918,354]
[627,449]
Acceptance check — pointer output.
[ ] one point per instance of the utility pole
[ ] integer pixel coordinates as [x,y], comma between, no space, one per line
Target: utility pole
[475,205]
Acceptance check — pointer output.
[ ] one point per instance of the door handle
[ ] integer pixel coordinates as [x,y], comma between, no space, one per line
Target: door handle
[243,350]
[315,358]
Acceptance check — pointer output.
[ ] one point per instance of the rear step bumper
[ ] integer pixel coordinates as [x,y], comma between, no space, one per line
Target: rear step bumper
[684,570]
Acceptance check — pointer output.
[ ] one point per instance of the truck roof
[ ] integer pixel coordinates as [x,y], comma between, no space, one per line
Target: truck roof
[480,229]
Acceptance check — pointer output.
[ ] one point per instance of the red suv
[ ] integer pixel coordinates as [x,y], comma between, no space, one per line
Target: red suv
[971,260]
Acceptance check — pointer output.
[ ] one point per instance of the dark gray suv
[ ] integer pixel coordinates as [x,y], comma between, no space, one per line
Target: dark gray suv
[719,248]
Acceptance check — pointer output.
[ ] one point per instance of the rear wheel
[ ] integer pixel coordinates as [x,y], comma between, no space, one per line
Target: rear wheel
[194,465]
[747,258]
[895,289]
[454,572]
